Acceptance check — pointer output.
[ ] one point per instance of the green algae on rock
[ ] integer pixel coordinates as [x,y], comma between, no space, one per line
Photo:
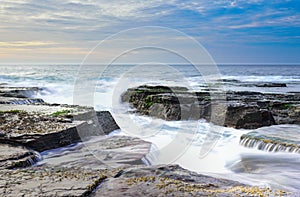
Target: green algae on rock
[240,109]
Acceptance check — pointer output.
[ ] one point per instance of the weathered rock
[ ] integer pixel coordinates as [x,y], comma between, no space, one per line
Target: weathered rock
[172,180]
[18,92]
[38,131]
[45,181]
[242,109]
[238,83]
[100,153]
[46,126]
[13,156]
[103,120]
[19,95]
[19,101]
[250,117]
[286,112]
[42,132]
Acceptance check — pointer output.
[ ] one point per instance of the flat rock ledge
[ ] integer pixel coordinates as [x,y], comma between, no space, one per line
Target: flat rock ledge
[172,180]
[243,109]
[103,153]
[29,125]
[40,131]
[16,157]
[46,181]
[18,95]
[283,138]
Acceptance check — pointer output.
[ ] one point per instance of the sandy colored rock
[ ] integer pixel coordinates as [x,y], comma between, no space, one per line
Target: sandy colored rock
[101,153]
[172,180]
[13,156]
[44,181]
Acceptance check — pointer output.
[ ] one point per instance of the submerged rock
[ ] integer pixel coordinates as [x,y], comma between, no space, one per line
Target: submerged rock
[229,80]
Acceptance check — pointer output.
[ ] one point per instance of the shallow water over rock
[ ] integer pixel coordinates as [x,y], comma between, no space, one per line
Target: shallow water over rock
[14,156]
[280,138]
[99,153]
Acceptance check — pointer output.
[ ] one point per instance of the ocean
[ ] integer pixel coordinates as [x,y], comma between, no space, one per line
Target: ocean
[227,159]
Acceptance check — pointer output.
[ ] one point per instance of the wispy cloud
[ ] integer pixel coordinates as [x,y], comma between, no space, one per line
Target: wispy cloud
[26,44]
[82,23]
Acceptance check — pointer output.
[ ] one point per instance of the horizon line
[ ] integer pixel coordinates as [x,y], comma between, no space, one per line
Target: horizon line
[154,63]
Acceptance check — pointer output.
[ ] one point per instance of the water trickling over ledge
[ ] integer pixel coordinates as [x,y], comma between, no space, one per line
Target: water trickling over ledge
[281,138]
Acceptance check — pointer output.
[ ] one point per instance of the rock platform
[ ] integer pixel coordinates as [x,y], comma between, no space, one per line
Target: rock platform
[92,163]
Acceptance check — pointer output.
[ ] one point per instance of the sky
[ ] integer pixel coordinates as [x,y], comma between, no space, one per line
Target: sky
[232,31]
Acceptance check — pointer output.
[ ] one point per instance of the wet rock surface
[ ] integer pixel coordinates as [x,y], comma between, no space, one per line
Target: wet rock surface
[111,166]
[18,95]
[172,180]
[45,181]
[101,153]
[13,156]
[281,138]
[242,109]
[29,127]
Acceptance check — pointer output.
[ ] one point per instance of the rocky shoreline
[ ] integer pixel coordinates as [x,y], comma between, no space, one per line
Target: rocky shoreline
[241,109]
[30,126]
[238,109]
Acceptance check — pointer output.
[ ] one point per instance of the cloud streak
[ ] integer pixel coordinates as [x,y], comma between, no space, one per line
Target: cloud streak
[26,44]
[82,23]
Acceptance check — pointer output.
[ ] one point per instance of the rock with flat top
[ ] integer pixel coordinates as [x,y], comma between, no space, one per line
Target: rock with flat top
[45,181]
[101,153]
[238,109]
[172,180]
[282,138]
[14,156]
[43,126]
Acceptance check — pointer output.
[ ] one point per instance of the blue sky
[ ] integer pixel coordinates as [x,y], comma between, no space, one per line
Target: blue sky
[233,31]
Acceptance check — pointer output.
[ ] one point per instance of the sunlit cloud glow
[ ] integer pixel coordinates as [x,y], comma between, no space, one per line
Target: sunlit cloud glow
[223,27]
